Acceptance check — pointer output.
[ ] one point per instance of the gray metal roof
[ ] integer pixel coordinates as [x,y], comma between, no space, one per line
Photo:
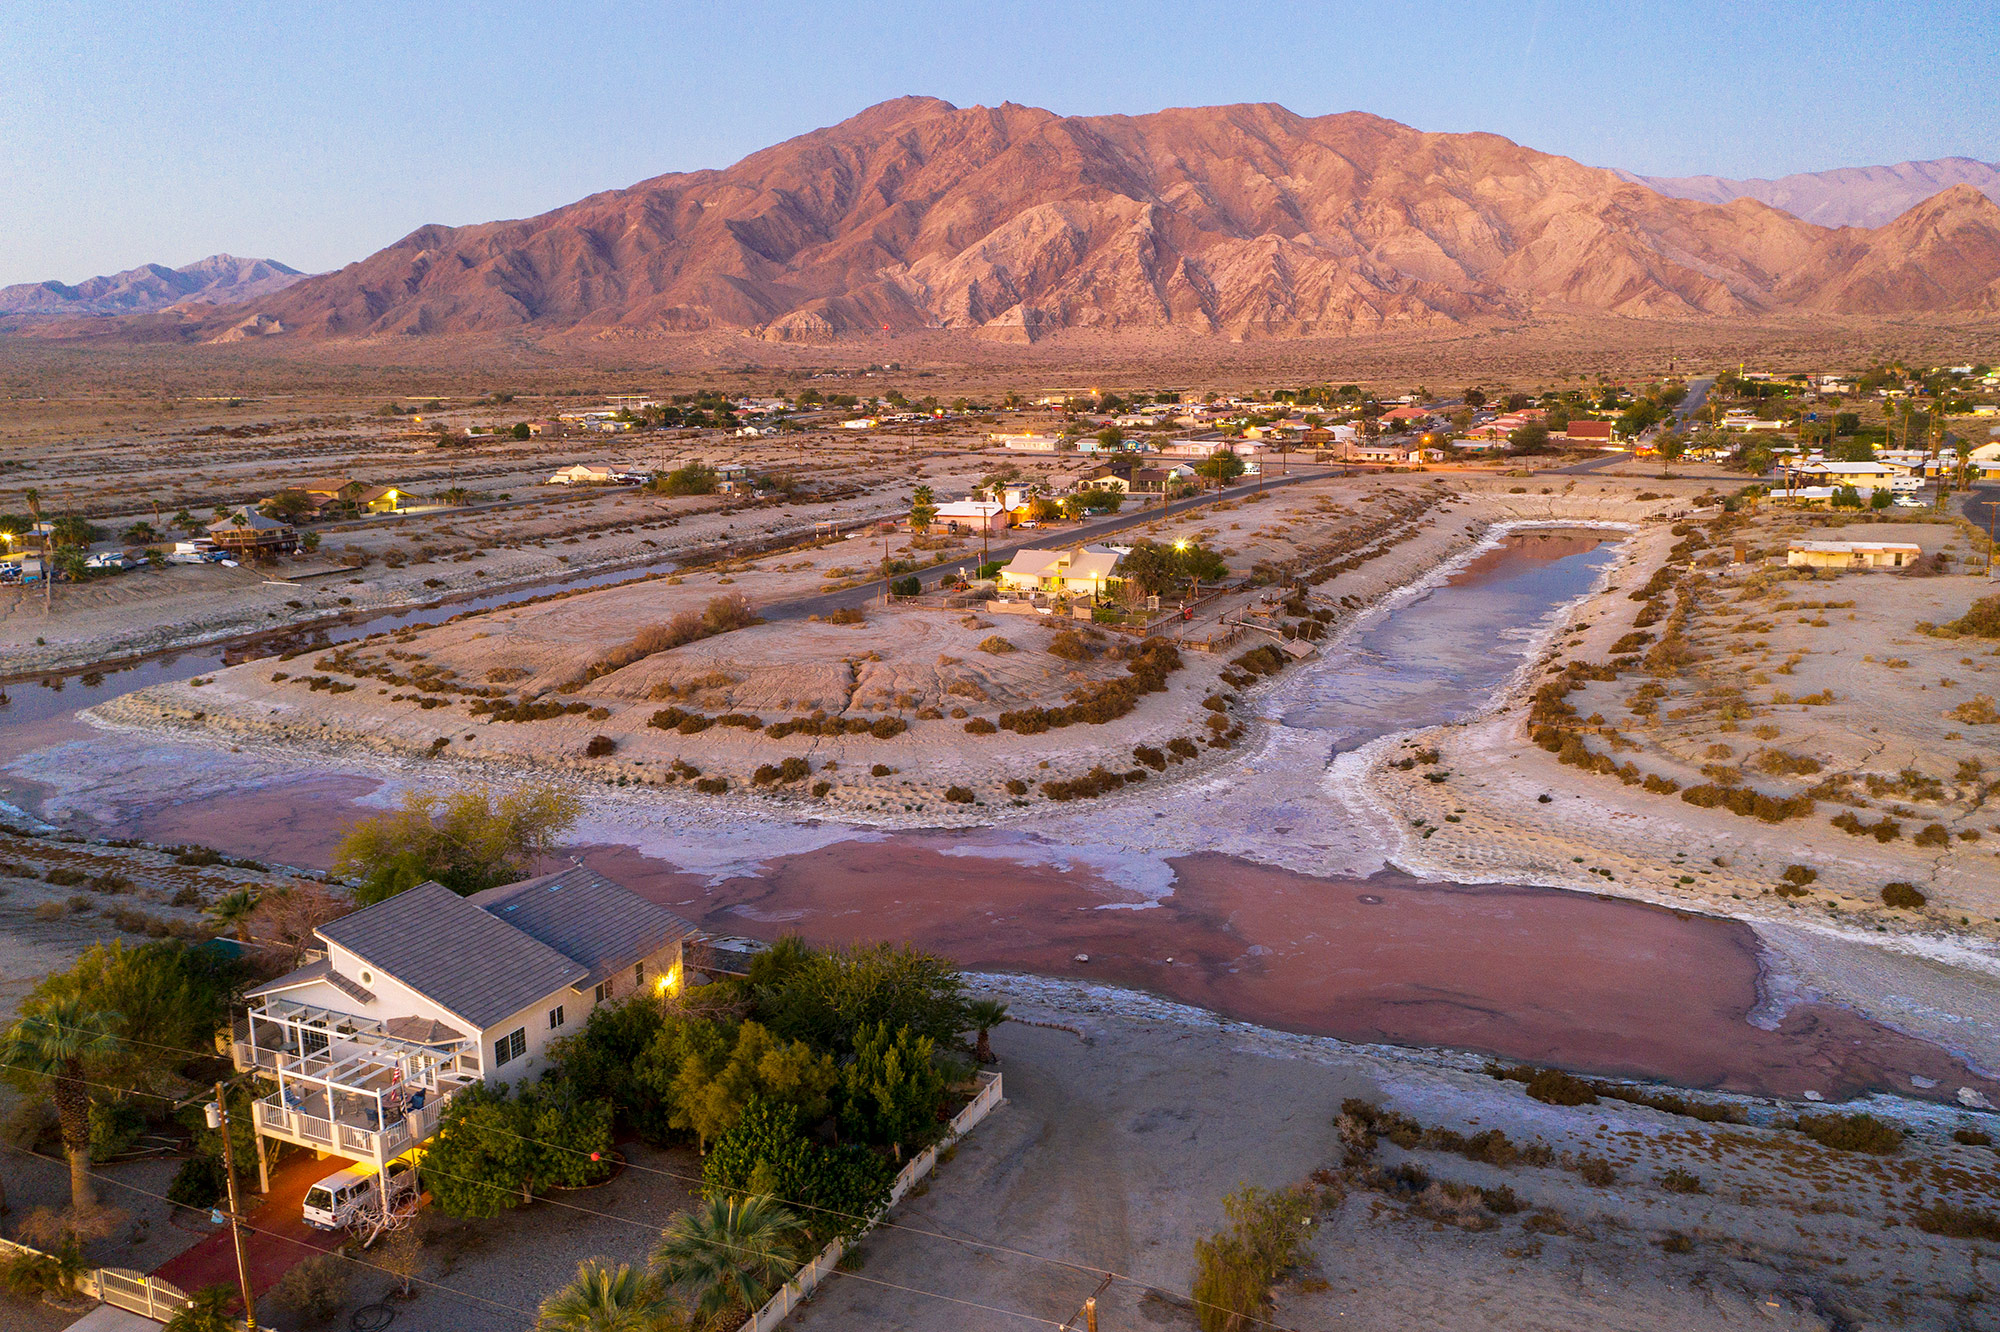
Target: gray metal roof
[310,974]
[587,918]
[441,945]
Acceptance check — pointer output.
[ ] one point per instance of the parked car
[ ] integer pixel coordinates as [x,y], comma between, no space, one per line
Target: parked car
[341,1199]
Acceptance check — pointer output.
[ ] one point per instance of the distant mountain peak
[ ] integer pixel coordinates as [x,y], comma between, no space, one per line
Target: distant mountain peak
[1844,197]
[220,279]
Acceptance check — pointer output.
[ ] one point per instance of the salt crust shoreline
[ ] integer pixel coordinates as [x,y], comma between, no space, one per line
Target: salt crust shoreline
[1346,782]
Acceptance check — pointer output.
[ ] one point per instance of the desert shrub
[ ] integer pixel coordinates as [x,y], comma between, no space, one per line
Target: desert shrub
[980,726]
[1150,756]
[1104,701]
[1748,803]
[314,1289]
[1982,620]
[1631,642]
[1182,747]
[846,615]
[1234,1269]
[1596,1170]
[1265,660]
[1955,1222]
[793,769]
[1886,830]
[1677,1180]
[1016,787]
[911,586]
[1972,1137]
[881,770]
[995,644]
[721,615]
[1070,646]
[1093,783]
[1853,1133]
[742,720]
[712,785]
[1555,1087]
[199,1182]
[885,728]
[1800,875]
[63,876]
[958,795]
[1976,711]
[1904,895]
[1500,1200]
[1935,834]
[599,746]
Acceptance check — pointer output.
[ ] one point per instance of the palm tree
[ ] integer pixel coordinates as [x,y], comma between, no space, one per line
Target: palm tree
[232,912]
[607,1299]
[207,1310]
[985,1015]
[730,1252]
[53,1044]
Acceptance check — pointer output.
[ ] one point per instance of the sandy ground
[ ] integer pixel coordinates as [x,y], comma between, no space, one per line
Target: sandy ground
[1115,1176]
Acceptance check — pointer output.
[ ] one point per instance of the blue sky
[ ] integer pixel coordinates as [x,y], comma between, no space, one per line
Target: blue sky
[317,133]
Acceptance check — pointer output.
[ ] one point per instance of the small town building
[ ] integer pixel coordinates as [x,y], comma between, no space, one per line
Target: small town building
[1853,554]
[1588,432]
[248,533]
[972,515]
[1080,572]
[1028,443]
[587,474]
[386,499]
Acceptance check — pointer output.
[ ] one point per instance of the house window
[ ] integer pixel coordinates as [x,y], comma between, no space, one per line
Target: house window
[510,1047]
[555,1017]
[603,991]
[639,975]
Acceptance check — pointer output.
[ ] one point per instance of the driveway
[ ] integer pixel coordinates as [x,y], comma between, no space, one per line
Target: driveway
[279,1238]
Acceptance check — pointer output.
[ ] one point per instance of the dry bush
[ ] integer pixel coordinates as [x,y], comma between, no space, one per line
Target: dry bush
[315,1289]
[1596,1170]
[1235,1269]
[1853,1133]
[1070,646]
[1905,896]
[1677,1180]
[995,644]
[1977,711]
[1955,1222]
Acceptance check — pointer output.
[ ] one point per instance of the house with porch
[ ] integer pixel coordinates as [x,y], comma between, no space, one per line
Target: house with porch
[248,533]
[1080,572]
[416,998]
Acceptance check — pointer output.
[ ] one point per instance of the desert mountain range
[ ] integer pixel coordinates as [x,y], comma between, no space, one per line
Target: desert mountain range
[1846,197]
[220,279]
[1241,221]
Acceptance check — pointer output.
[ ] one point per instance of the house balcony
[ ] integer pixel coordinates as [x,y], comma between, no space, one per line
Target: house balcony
[332,1120]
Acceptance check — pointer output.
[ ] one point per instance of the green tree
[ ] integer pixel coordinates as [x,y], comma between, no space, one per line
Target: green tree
[522,430]
[1529,439]
[1111,437]
[1881,499]
[291,506]
[493,1149]
[232,912]
[695,478]
[710,1094]
[52,1046]
[836,1189]
[207,1310]
[923,510]
[1221,467]
[164,992]
[468,841]
[138,534]
[604,1298]
[1670,447]
[826,997]
[1157,568]
[985,1015]
[730,1253]
[890,1093]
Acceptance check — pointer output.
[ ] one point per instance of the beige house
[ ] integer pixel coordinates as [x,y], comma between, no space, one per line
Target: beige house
[1080,572]
[1853,554]
[416,998]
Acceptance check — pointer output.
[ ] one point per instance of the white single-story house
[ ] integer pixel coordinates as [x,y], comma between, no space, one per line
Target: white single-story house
[1080,572]
[972,515]
[584,474]
[1853,554]
[417,997]
[1829,473]
[1029,443]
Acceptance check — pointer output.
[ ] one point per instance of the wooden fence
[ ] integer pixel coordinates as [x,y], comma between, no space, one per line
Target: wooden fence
[808,1278]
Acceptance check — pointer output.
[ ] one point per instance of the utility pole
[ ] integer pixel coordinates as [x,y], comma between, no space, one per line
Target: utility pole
[1090,1314]
[218,1117]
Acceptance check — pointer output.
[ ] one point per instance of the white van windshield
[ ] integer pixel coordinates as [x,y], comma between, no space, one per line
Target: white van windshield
[319,1199]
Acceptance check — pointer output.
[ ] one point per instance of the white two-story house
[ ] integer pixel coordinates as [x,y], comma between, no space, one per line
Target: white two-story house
[422,995]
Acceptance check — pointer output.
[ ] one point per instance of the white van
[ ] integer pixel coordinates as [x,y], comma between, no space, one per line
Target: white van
[339,1200]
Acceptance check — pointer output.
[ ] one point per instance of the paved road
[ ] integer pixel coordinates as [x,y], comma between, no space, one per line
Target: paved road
[870,545]
[1981,506]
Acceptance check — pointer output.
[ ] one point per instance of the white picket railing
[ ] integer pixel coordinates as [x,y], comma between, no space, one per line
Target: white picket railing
[808,1278]
[147,1296]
